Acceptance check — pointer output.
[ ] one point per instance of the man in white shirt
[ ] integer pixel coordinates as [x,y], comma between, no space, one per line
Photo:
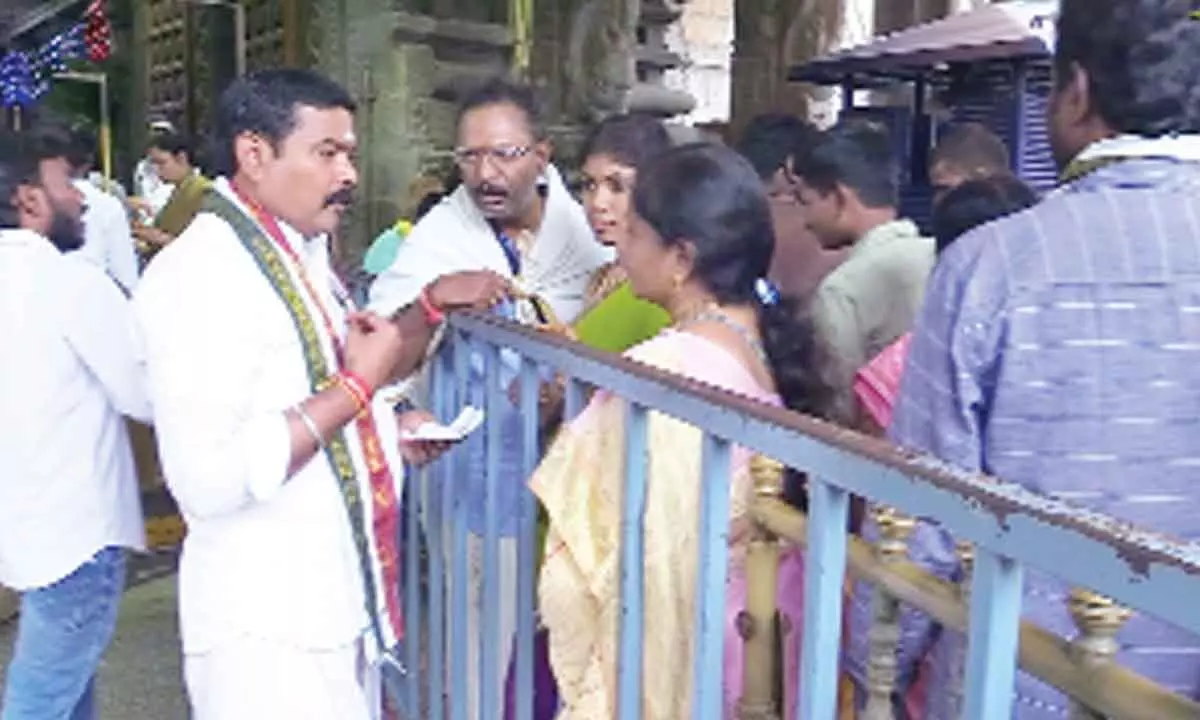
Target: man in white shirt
[284,461]
[513,216]
[69,500]
[108,237]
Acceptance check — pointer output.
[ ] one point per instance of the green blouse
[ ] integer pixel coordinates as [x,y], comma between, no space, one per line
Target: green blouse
[620,321]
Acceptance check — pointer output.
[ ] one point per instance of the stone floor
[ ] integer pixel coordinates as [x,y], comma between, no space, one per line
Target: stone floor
[140,675]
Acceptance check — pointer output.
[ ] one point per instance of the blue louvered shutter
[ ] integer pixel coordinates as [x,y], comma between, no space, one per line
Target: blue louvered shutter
[1035,161]
[1010,99]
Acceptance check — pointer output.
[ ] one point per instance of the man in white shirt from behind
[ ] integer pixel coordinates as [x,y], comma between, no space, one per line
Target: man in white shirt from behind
[108,236]
[69,502]
[263,378]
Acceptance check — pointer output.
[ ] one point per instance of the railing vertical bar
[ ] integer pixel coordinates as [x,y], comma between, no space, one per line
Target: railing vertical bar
[995,619]
[459,550]
[490,638]
[527,538]
[825,568]
[629,670]
[573,399]
[708,672]
[441,498]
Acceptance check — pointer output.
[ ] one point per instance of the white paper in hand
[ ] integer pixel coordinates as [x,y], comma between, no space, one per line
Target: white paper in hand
[466,423]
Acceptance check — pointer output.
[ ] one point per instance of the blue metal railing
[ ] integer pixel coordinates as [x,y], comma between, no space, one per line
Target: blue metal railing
[1009,527]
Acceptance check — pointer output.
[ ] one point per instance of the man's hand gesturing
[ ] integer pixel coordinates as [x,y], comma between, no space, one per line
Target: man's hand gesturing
[469,290]
[374,347]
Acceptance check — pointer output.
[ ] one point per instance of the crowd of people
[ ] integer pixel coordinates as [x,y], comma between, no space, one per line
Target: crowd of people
[1046,340]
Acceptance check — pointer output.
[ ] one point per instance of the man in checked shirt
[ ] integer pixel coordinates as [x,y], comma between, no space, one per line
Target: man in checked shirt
[1060,347]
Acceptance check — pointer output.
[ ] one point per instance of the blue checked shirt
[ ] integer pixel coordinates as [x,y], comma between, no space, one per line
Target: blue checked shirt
[1060,349]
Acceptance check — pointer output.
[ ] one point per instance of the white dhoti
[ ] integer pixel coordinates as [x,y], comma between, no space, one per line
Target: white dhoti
[253,679]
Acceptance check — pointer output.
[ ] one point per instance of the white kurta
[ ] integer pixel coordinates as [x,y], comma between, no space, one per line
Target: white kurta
[108,239]
[68,373]
[268,561]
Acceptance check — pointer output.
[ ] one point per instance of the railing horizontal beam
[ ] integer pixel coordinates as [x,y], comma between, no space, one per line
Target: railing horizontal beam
[1109,689]
[1138,569]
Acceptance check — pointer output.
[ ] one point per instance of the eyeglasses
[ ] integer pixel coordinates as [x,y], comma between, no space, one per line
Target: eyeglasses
[502,155]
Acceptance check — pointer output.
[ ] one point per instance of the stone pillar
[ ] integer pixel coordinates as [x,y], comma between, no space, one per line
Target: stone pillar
[859,25]
[655,58]
[770,36]
[595,58]
[406,71]
[601,59]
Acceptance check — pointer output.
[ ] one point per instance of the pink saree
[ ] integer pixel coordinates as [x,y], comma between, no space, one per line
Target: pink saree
[877,384]
[877,387]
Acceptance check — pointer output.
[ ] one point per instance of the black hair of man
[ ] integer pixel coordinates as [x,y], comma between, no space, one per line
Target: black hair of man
[500,90]
[855,154]
[1140,60]
[972,149]
[978,202]
[83,144]
[21,156]
[265,103]
[772,141]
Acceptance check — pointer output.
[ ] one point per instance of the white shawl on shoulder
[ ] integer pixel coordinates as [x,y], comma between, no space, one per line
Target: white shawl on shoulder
[455,237]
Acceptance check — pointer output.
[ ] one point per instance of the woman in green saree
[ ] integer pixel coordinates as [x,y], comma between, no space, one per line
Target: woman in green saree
[172,158]
[614,319]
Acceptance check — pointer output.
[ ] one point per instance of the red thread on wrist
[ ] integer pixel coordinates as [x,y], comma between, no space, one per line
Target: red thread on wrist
[433,315]
[361,388]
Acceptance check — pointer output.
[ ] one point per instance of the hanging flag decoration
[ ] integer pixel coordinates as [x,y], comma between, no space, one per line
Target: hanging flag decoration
[16,80]
[25,75]
[98,32]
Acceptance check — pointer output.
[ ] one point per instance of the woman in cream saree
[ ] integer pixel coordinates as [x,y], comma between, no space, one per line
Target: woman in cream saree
[613,319]
[699,246]
[580,484]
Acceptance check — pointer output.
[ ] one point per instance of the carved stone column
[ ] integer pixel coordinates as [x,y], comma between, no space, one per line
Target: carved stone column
[650,93]
[770,36]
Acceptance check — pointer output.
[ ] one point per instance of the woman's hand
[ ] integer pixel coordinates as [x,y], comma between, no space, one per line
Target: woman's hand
[559,329]
[419,452]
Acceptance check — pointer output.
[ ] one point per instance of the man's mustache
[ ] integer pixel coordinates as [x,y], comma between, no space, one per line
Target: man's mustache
[344,197]
[490,189]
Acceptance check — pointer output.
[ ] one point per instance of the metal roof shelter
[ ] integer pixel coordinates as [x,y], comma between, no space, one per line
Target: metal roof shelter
[1000,31]
[991,65]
